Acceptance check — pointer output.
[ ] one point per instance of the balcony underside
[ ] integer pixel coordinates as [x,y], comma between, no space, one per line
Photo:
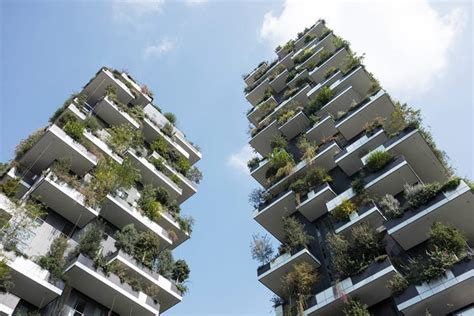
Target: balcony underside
[96,88]
[261,141]
[279,83]
[323,129]
[295,125]
[110,113]
[333,61]
[151,132]
[315,204]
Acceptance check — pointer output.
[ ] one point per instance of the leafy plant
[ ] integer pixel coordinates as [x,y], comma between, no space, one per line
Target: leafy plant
[168,129]
[307,148]
[448,238]
[258,197]
[397,284]
[451,184]
[350,62]
[299,282]
[6,283]
[278,141]
[89,244]
[343,211]
[165,263]
[390,206]
[27,144]
[75,129]
[377,160]
[123,136]
[186,223]
[91,124]
[295,235]
[53,261]
[171,117]
[149,204]
[420,194]
[126,239]
[10,187]
[285,116]
[194,174]
[180,271]
[261,248]
[358,186]
[356,308]
[315,104]
[182,165]
[280,164]
[160,145]
[253,163]
[323,56]
[303,56]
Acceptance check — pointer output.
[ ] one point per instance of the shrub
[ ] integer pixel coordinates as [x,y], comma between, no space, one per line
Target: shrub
[397,284]
[253,163]
[6,283]
[165,263]
[377,160]
[194,174]
[258,197]
[299,186]
[53,261]
[350,62]
[390,206]
[302,57]
[149,204]
[356,308]
[147,248]
[451,184]
[92,124]
[186,224]
[358,186]
[160,145]
[180,271]
[27,143]
[323,56]
[307,148]
[448,238]
[158,163]
[285,116]
[278,141]
[261,248]
[171,117]
[280,164]
[438,262]
[315,104]
[123,136]
[420,194]
[89,244]
[295,235]
[182,165]
[175,178]
[343,211]
[126,239]
[298,284]
[75,129]
[168,129]
[10,187]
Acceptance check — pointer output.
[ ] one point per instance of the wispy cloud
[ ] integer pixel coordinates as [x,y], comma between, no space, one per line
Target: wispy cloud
[195,2]
[164,46]
[407,43]
[130,11]
[238,161]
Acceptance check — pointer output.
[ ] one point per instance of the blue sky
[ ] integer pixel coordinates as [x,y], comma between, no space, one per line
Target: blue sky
[192,55]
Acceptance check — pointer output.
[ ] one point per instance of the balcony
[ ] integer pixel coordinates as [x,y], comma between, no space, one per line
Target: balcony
[389,180]
[324,159]
[169,295]
[250,79]
[55,144]
[120,213]
[369,214]
[26,180]
[354,121]
[279,82]
[257,92]
[96,88]
[151,175]
[453,207]
[272,273]
[313,205]
[108,290]
[108,111]
[141,98]
[349,158]
[170,224]
[262,109]
[326,83]
[370,287]
[31,281]
[418,153]
[102,146]
[335,61]
[303,75]
[443,296]
[316,30]
[194,154]
[259,173]
[321,130]
[63,199]
[151,131]
[8,303]
[295,125]
[261,141]
[270,215]
[326,40]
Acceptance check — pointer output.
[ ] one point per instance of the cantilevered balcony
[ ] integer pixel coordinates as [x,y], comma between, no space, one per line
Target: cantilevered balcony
[168,294]
[194,154]
[151,131]
[411,144]
[8,303]
[63,199]
[271,274]
[279,82]
[454,207]
[321,130]
[120,213]
[295,125]
[318,74]
[262,109]
[326,40]
[271,213]
[327,81]
[303,75]
[96,88]
[316,30]
[443,296]
[324,158]
[171,225]
[31,281]
[259,172]
[141,98]
[354,121]
[370,287]
[102,146]
[108,290]
[55,144]
[261,141]
[250,78]
[151,175]
[25,178]
[108,111]
[368,214]
[313,205]
[257,93]
[349,158]
[389,180]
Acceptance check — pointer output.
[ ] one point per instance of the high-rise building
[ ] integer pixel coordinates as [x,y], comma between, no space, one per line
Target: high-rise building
[90,207]
[369,217]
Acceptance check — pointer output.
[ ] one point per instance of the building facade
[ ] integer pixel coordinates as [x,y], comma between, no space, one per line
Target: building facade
[90,207]
[368,215]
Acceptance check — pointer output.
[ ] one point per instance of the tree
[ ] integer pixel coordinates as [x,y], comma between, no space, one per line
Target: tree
[54,260]
[126,239]
[165,263]
[180,271]
[295,235]
[147,248]
[261,248]
[298,284]
[123,136]
[6,283]
[89,244]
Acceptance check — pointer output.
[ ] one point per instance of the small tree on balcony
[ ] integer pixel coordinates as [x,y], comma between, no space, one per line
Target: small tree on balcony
[295,235]
[298,284]
[123,137]
[356,308]
[6,283]
[126,239]
[261,248]
[165,263]
[53,261]
[180,271]
[89,244]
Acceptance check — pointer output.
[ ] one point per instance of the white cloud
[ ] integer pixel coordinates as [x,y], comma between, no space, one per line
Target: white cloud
[406,42]
[195,2]
[163,47]
[131,10]
[239,160]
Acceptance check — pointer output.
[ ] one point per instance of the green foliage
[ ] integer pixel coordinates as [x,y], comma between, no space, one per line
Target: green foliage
[182,165]
[307,148]
[377,160]
[438,262]
[180,271]
[323,56]
[285,116]
[126,238]
[149,204]
[298,284]
[253,163]
[165,263]
[194,174]
[123,136]
[175,178]
[295,235]
[158,163]
[448,238]
[278,141]
[91,124]
[319,101]
[10,187]
[186,223]
[258,197]
[451,184]
[358,186]
[303,56]
[340,42]
[390,206]
[171,117]
[351,255]
[3,168]
[75,129]
[160,145]
[261,248]
[343,211]
[89,244]
[143,246]
[53,261]
[350,62]
[27,143]
[6,283]
[280,164]
[356,308]
[397,284]
[312,179]
[288,47]
[168,129]
[419,194]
